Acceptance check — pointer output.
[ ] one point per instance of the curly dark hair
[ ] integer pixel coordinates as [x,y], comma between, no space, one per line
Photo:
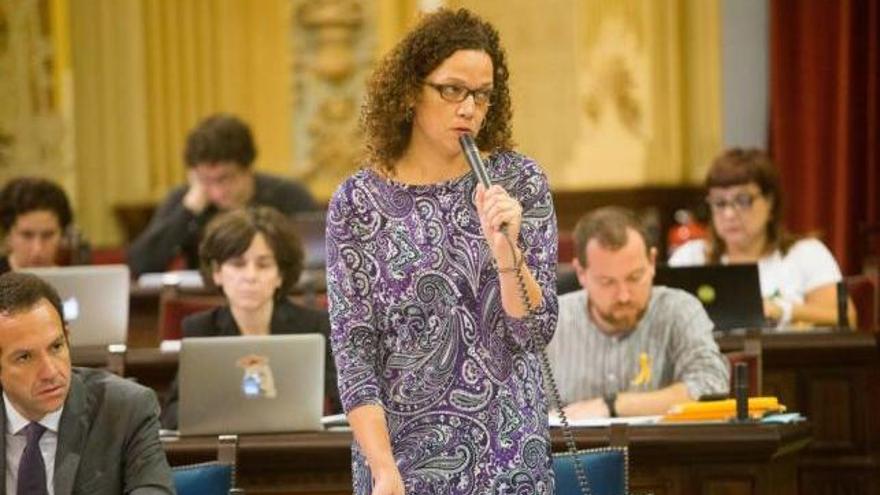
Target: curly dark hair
[740,166]
[220,138]
[385,116]
[26,194]
[230,234]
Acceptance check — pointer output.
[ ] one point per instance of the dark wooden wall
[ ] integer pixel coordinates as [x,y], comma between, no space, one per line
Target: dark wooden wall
[655,205]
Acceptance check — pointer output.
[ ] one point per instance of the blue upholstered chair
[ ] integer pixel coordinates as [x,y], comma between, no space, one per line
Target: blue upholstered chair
[607,471]
[210,478]
[607,468]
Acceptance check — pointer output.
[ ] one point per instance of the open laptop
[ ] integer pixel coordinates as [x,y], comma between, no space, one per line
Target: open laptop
[731,294]
[251,384]
[95,300]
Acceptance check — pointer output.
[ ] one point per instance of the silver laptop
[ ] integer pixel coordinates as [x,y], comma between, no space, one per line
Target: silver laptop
[251,384]
[95,300]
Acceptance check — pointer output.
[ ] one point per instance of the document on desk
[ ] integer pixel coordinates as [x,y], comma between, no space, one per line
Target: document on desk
[600,422]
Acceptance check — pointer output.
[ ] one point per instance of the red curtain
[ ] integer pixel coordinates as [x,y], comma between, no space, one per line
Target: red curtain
[825,119]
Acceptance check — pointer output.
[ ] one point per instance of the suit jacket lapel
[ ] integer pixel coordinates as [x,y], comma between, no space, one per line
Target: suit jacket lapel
[71,435]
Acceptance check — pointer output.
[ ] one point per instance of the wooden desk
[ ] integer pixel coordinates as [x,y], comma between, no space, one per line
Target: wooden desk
[833,378]
[728,459]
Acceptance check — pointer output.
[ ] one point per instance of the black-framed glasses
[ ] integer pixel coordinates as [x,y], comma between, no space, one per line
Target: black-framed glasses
[454,93]
[739,202]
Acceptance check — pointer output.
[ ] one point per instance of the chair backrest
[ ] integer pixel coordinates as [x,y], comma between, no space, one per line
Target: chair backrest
[751,354]
[210,478]
[175,305]
[607,471]
[607,468]
[207,478]
[864,291]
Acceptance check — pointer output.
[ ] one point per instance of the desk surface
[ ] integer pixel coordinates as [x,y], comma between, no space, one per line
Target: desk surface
[809,347]
[831,377]
[660,456]
[753,441]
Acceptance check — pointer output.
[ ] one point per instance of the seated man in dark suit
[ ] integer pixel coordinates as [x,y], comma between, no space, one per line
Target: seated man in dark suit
[219,154]
[68,430]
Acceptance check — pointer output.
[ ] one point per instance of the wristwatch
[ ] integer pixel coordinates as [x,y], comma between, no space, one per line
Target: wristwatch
[610,399]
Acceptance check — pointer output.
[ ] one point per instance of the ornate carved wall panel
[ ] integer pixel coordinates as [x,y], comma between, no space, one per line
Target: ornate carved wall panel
[613,94]
[334,50]
[34,93]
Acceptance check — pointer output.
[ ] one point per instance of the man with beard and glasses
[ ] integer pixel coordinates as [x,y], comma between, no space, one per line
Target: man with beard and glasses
[623,347]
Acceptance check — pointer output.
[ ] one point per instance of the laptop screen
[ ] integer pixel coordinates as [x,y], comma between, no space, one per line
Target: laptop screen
[251,384]
[731,294]
[95,300]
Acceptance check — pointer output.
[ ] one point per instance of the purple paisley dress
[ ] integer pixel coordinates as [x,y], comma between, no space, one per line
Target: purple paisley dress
[417,326]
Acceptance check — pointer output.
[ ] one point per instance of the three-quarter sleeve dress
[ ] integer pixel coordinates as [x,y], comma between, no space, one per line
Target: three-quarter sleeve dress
[417,327]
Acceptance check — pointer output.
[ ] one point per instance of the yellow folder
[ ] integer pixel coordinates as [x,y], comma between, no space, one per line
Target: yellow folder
[721,409]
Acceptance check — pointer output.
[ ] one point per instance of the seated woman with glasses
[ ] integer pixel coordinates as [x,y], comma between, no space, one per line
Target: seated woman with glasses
[798,274]
[254,257]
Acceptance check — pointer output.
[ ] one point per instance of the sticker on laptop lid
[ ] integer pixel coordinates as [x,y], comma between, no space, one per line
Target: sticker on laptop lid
[706,294]
[70,308]
[258,381]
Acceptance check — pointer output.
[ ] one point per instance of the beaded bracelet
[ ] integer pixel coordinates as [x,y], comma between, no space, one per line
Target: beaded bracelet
[518,266]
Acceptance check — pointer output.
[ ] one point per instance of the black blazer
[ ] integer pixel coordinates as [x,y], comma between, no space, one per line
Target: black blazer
[287,318]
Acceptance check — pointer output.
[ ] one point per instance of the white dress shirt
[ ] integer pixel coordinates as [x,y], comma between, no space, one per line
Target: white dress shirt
[16,442]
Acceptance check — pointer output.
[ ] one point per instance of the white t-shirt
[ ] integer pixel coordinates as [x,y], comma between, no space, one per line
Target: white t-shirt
[808,265]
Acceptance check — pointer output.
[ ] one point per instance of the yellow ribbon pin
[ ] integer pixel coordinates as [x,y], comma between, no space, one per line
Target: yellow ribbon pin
[644,376]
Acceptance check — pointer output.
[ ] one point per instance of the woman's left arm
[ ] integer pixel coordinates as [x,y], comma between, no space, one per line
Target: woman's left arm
[820,307]
[819,273]
[525,254]
[496,208]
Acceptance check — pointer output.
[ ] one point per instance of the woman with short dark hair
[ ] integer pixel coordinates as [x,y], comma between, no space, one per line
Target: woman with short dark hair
[254,257]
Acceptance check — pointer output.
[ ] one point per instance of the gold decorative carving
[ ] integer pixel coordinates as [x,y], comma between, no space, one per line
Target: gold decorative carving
[614,94]
[612,78]
[328,86]
[335,23]
[332,133]
[30,121]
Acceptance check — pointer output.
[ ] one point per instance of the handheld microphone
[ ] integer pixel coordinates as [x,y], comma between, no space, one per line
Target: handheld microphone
[469,147]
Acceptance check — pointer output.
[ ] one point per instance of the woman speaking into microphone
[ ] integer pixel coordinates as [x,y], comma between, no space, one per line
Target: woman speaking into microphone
[438,314]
